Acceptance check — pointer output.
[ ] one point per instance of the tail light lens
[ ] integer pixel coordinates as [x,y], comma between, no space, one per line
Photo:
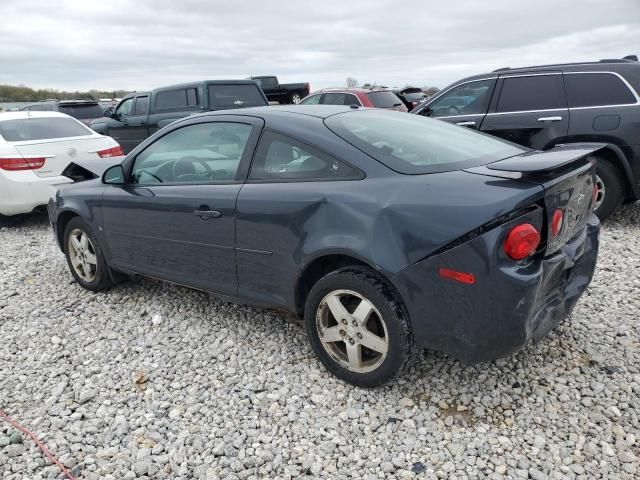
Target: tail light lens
[15,164]
[522,241]
[111,152]
[556,222]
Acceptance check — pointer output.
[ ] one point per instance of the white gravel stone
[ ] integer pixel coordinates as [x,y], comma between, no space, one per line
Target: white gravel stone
[234,392]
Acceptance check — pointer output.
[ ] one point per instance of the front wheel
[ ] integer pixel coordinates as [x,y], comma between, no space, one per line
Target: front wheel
[358,328]
[609,189]
[84,257]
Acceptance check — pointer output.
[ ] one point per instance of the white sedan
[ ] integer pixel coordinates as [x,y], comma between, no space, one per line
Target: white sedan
[35,148]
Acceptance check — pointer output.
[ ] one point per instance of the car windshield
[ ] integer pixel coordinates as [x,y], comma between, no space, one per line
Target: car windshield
[83,112]
[384,99]
[41,128]
[235,96]
[413,144]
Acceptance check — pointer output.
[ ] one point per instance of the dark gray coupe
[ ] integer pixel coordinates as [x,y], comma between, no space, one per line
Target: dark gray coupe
[386,231]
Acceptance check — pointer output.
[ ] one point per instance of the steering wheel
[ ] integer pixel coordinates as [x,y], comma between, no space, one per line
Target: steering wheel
[179,167]
[147,172]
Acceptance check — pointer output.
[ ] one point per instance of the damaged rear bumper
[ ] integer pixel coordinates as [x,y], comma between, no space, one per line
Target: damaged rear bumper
[508,306]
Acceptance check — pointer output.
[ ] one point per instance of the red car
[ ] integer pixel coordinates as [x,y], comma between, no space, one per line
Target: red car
[362,97]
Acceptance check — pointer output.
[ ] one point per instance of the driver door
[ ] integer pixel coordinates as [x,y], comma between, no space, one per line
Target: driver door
[465,104]
[175,217]
[118,126]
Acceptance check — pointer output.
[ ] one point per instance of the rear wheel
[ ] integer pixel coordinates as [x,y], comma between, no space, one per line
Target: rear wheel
[357,328]
[296,98]
[6,221]
[610,189]
[84,256]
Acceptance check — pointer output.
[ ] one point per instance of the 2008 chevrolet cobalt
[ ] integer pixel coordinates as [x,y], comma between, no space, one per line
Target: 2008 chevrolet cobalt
[386,231]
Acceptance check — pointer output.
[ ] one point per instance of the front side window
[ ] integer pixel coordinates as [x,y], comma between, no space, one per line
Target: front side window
[413,144]
[334,99]
[125,107]
[142,106]
[596,89]
[200,153]
[470,98]
[281,158]
[39,128]
[312,100]
[535,92]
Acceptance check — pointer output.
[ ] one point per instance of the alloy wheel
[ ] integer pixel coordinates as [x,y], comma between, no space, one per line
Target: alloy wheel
[82,254]
[295,98]
[600,192]
[352,331]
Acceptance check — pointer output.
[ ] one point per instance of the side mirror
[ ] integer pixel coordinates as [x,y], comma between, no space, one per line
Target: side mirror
[427,112]
[113,175]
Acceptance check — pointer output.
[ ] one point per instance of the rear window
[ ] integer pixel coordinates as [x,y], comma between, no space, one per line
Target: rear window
[82,111]
[25,129]
[596,89]
[235,96]
[413,144]
[384,99]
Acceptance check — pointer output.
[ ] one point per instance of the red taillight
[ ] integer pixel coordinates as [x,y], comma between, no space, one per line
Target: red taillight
[111,152]
[522,241]
[556,222]
[14,164]
[468,278]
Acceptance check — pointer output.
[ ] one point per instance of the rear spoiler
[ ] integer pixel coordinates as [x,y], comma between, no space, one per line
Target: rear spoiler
[546,161]
[82,170]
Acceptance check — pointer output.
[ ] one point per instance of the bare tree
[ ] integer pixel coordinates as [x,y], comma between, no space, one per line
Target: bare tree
[351,82]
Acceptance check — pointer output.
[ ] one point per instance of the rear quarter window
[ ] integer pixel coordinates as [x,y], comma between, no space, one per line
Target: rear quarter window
[535,92]
[171,99]
[596,89]
[235,96]
[384,99]
[413,144]
[27,129]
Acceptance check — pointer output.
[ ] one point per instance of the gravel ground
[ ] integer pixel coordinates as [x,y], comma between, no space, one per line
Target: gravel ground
[157,381]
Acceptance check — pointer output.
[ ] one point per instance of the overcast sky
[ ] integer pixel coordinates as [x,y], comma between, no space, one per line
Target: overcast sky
[142,44]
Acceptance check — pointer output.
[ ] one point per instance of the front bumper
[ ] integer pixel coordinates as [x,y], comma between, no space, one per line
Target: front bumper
[509,305]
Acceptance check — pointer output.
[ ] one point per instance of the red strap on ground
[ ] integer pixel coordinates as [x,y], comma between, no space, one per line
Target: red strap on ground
[40,445]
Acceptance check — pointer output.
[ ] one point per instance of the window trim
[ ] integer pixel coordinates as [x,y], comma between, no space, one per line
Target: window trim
[360,175]
[616,74]
[241,172]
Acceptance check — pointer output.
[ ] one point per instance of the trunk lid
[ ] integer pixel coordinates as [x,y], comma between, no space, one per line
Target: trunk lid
[59,153]
[567,174]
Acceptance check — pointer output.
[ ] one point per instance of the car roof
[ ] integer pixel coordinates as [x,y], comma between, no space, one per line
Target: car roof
[611,65]
[317,111]
[26,114]
[351,90]
[208,82]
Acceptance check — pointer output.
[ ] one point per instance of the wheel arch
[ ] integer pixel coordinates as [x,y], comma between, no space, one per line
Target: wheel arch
[63,220]
[323,264]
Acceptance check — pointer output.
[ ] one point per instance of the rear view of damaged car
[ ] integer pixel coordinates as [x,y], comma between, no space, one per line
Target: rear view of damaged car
[386,232]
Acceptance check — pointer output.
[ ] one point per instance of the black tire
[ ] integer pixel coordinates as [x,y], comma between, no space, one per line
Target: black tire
[613,189]
[7,221]
[101,279]
[401,348]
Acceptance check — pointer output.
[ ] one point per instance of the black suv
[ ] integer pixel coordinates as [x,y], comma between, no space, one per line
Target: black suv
[540,107]
[83,110]
[140,114]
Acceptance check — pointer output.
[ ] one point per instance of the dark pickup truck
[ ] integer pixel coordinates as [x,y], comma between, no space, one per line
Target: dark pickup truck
[141,114]
[282,92]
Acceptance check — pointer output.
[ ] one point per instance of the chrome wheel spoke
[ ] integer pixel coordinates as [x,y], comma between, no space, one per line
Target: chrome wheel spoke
[332,334]
[83,242]
[374,342]
[363,311]
[91,258]
[76,243]
[337,309]
[354,354]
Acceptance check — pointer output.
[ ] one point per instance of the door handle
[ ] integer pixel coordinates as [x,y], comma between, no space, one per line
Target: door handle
[466,124]
[550,119]
[207,214]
